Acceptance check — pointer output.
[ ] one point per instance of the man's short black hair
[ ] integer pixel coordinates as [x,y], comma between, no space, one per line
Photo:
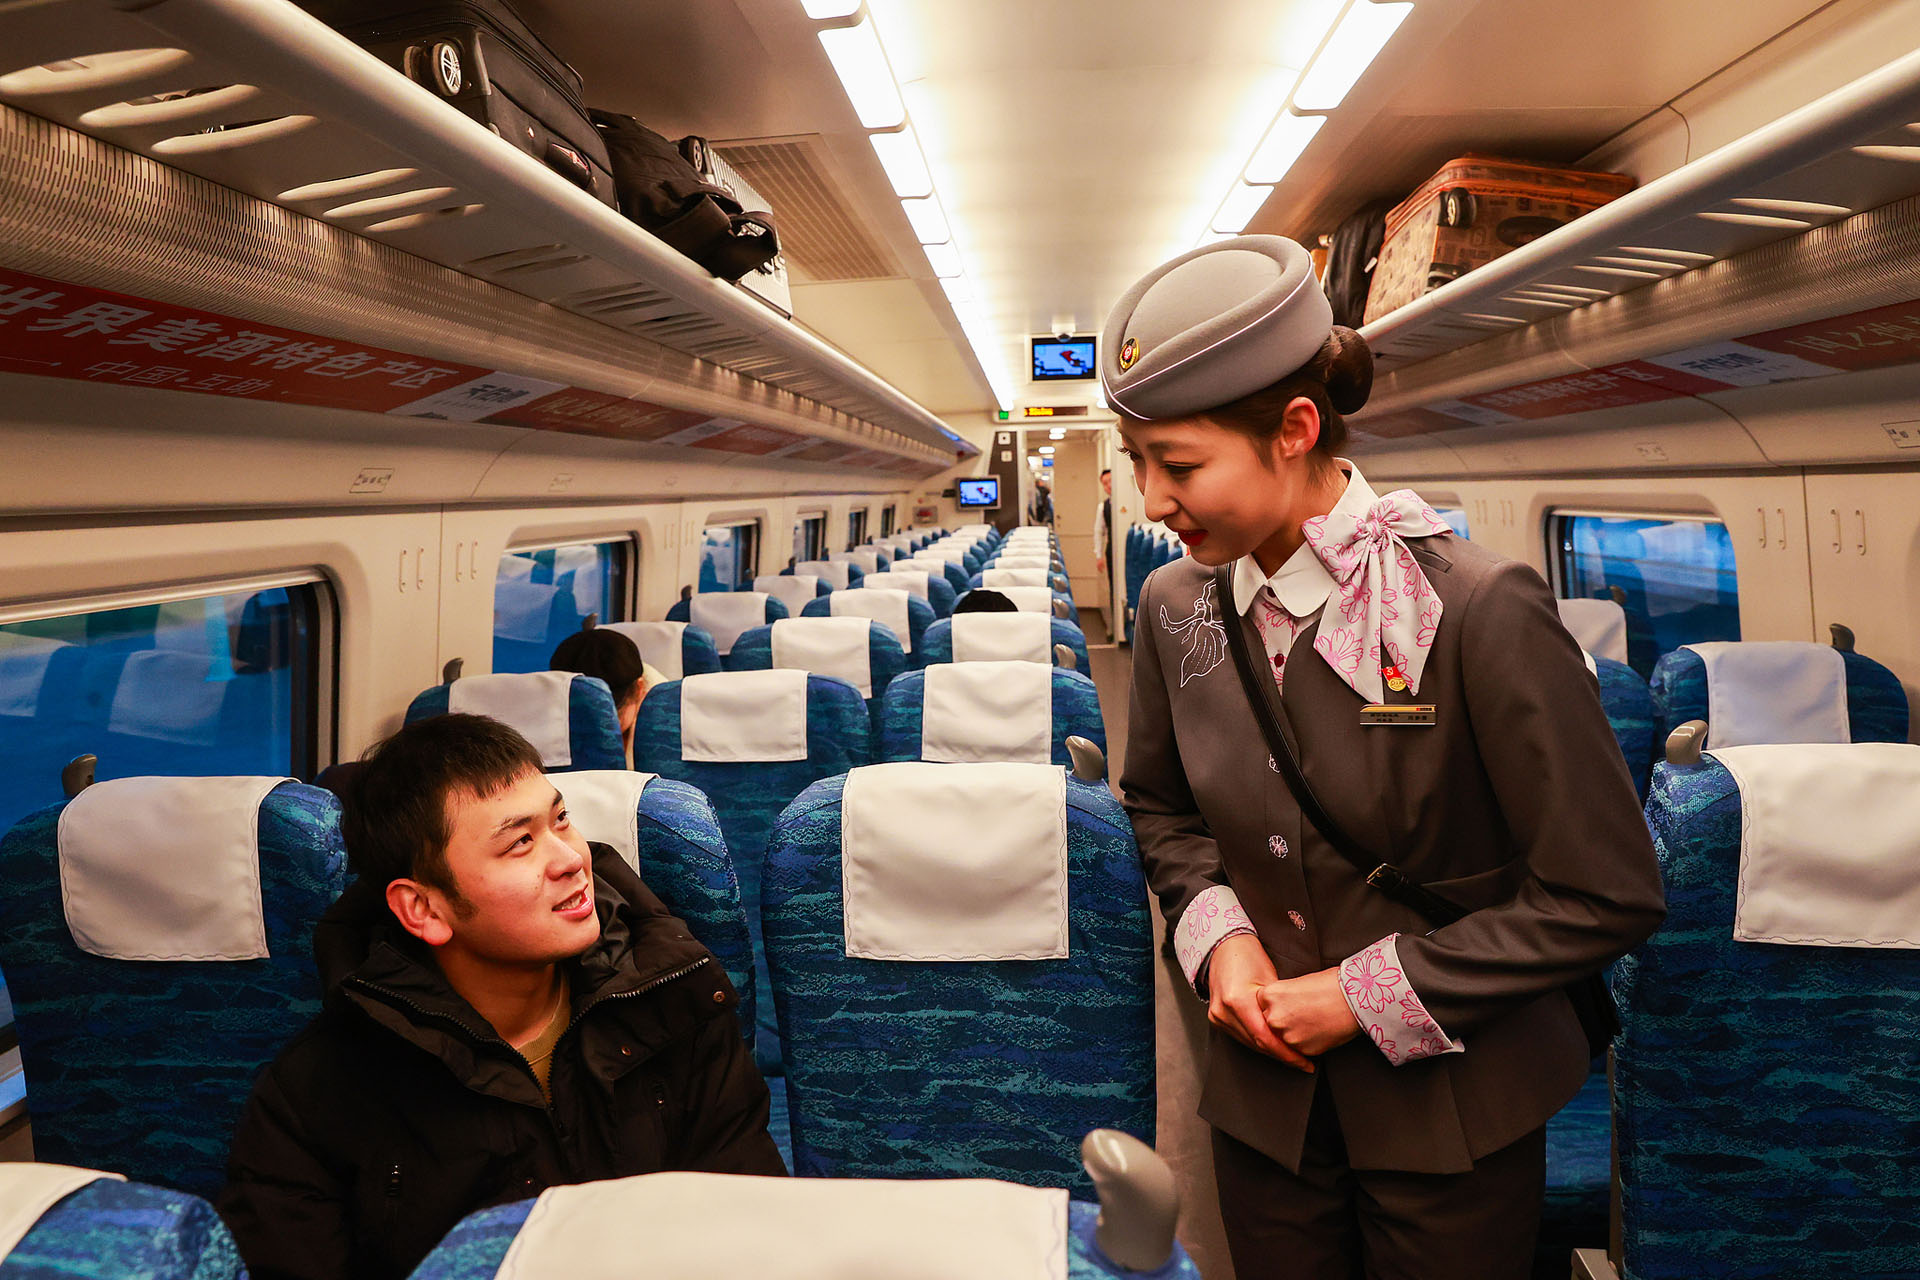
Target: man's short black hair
[396,820]
[605,654]
[985,600]
[1105,472]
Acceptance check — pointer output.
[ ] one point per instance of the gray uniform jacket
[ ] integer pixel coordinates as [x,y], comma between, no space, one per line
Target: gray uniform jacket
[1515,803]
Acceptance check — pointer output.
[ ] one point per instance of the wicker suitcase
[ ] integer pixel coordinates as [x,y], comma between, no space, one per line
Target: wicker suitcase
[1473,210]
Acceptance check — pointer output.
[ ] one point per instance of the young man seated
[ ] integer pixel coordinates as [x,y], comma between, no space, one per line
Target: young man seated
[507,1008]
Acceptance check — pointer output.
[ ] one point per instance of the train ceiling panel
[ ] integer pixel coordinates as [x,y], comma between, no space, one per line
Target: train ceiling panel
[282,109]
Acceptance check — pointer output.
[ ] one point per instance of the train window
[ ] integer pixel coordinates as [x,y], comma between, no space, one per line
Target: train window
[188,685]
[856,528]
[542,594]
[810,538]
[1456,519]
[886,520]
[1673,574]
[728,556]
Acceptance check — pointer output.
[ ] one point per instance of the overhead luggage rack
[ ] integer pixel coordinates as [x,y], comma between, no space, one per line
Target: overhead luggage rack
[1578,298]
[260,98]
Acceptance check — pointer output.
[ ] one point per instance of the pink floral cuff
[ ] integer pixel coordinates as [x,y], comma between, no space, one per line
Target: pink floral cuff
[1387,1007]
[1211,918]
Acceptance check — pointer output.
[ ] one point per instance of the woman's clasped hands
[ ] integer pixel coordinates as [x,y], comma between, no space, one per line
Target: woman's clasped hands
[1292,1019]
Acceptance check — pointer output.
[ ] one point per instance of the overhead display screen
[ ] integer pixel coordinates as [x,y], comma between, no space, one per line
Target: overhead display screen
[983,492]
[1063,359]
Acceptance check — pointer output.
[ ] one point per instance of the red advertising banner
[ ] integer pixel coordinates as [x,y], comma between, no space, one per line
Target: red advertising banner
[1864,340]
[596,413]
[60,330]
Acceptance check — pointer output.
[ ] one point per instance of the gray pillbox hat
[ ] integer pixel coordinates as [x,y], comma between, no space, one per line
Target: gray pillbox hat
[1213,325]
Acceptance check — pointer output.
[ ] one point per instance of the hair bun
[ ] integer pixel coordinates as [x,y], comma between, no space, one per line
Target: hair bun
[1349,370]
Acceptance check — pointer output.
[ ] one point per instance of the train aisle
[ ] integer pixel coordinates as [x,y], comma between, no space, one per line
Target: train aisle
[1180,1022]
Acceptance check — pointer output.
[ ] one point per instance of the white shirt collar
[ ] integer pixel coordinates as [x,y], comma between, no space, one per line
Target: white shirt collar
[1302,584]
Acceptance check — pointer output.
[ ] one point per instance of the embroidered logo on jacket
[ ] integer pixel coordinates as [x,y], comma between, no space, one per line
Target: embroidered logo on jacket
[1205,640]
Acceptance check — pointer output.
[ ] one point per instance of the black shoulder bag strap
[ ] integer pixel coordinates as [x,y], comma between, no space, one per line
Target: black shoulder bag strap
[1592,1002]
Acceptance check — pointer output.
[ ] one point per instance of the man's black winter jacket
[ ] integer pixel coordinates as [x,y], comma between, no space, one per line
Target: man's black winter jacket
[398,1110]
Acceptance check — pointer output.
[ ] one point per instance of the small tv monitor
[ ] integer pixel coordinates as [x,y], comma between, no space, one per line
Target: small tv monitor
[1064,359]
[983,492]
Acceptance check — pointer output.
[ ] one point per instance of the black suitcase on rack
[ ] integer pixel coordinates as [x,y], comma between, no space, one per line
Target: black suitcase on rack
[483,58]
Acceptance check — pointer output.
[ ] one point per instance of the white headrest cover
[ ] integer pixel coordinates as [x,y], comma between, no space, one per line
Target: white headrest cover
[792,1229]
[833,572]
[28,1190]
[1022,577]
[169,696]
[1600,626]
[604,804]
[954,553]
[932,566]
[837,647]
[1029,534]
[912,581]
[1018,561]
[1771,691]
[888,608]
[1029,599]
[1003,637]
[955,862]
[534,704]
[661,644]
[23,669]
[521,609]
[1829,850]
[731,717]
[165,868]
[973,530]
[790,589]
[728,613]
[987,711]
[868,560]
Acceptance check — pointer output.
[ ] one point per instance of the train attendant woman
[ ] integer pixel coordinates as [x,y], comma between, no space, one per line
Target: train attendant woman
[1377,1082]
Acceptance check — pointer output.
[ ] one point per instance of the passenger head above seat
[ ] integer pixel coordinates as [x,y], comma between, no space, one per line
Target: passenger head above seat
[615,660]
[985,600]
[454,818]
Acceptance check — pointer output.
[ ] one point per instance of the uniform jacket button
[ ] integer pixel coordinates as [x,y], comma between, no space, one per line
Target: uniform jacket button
[719,997]
[1299,921]
[1277,846]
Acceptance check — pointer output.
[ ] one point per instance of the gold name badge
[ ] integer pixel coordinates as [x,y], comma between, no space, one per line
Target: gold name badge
[1405,713]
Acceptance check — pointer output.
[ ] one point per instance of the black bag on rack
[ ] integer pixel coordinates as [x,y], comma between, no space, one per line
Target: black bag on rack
[482,57]
[1591,1000]
[662,191]
[1352,254]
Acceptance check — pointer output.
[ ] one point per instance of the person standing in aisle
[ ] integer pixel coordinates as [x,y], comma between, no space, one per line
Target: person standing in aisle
[1040,509]
[1377,797]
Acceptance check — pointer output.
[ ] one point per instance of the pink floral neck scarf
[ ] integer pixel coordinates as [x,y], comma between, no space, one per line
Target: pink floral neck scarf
[1383,612]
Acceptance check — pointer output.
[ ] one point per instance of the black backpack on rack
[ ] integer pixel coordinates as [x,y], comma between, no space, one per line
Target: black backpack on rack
[1353,253]
[662,191]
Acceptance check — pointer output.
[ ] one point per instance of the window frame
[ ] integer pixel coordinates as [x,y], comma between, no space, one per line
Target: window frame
[857,527]
[816,545]
[889,519]
[627,575]
[316,715]
[1556,565]
[749,567]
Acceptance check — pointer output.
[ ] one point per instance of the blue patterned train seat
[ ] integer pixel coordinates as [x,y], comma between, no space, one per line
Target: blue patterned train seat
[142,1065]
[930,563]
[1055,578]
[993,1068]
[940,643]
[724,615]
[1876,704]
[1630,710]
[750,771]
[112,1230]
[477,1247]
[667,832]
[674,649]
[892,609]
[1766,1113]
[936,590]
[1073,705]
[570,719]
[879,659]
